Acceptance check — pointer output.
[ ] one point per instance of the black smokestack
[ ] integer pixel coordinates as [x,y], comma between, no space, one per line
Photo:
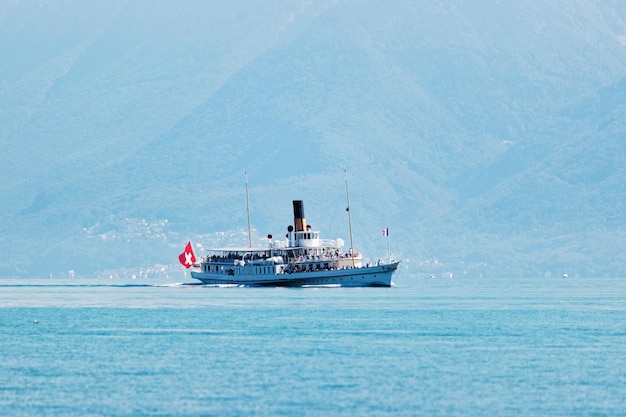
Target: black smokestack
[298,216]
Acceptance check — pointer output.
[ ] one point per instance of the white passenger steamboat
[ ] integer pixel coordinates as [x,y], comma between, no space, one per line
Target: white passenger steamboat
[302,259]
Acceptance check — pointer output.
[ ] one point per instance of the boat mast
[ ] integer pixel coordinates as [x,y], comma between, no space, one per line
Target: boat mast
[248,208]
[349,219]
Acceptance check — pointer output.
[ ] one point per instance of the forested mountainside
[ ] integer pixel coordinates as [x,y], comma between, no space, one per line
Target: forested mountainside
[488,137]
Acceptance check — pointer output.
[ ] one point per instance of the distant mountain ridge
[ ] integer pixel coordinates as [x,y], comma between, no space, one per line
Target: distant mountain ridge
[488,136]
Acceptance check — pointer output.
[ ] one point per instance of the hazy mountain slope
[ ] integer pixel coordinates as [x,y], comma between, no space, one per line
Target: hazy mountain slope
[83,94]
[558,197]
[483,134]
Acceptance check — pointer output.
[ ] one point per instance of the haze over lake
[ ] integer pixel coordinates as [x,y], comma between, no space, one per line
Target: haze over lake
[487,136]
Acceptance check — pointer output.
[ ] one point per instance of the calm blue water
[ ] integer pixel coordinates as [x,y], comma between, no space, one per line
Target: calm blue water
[428,347]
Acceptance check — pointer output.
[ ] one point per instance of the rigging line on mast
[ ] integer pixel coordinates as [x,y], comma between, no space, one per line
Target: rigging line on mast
[349,219]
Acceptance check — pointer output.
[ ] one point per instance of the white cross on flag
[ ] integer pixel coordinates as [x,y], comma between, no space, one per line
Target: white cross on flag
[187,258]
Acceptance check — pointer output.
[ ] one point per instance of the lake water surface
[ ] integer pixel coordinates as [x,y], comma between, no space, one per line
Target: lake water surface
[426,347]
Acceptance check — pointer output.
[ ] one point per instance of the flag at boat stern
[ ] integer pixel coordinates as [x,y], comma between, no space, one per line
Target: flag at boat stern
[187,258]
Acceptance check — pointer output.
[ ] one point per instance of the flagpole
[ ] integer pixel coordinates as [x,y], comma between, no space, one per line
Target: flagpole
[388,246]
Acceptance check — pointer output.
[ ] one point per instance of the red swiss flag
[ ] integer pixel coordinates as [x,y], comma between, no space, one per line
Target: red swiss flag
[187,258]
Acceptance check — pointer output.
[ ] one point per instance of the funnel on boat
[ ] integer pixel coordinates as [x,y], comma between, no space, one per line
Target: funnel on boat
[298,216]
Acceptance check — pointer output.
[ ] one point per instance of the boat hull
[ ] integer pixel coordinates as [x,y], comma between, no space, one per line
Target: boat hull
[371,276]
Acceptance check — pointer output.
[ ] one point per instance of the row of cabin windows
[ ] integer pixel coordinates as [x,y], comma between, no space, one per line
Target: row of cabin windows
[307,235]
[222,269]
[215,268]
